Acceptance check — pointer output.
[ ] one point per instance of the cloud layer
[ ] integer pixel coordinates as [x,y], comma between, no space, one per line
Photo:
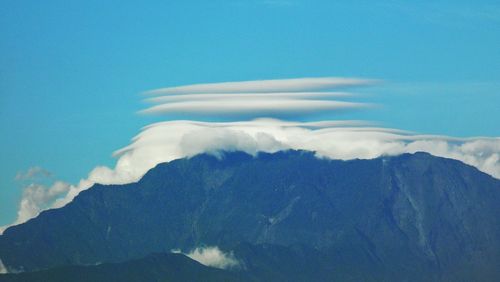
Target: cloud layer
[255,98]
[266,86]
[169,140]
[240,106]
[166,141]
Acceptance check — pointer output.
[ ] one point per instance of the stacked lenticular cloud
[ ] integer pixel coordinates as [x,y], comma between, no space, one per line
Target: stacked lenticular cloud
[256,98]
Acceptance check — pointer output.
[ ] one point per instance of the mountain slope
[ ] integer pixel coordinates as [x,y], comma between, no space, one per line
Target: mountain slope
[406,217]
[155,267]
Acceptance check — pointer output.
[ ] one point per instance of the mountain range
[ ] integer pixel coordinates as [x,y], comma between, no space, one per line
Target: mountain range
[284,216]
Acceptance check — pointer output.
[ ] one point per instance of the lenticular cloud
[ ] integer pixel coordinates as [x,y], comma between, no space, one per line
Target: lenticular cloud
[256,98]
[264,132]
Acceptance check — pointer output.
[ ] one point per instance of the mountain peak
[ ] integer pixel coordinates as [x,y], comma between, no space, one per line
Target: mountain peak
[363,217]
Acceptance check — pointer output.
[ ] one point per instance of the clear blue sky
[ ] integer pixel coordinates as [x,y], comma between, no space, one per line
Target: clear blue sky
[71,71]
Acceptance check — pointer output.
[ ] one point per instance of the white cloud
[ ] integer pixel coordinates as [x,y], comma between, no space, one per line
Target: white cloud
[257,106]
[37,197]
[254,96]
[261,122]
[257,98]
[212,256]
[169,140]
[276,85]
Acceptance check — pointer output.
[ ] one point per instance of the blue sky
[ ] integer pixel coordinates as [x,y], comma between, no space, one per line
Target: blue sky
[71,71]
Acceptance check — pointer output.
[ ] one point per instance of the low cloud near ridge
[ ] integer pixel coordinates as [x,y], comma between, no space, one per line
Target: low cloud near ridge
[170,140]
[212,256]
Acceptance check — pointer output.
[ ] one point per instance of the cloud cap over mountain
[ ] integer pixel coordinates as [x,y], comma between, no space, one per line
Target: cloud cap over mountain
[266,101]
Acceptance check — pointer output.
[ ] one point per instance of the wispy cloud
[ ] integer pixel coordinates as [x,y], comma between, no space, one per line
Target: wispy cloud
[33,172]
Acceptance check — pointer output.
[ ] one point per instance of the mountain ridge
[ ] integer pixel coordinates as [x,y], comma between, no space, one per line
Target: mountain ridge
[153,267]
[373,215]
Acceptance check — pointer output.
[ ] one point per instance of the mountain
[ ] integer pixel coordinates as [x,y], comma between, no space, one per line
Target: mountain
[286,216]
[154,267]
